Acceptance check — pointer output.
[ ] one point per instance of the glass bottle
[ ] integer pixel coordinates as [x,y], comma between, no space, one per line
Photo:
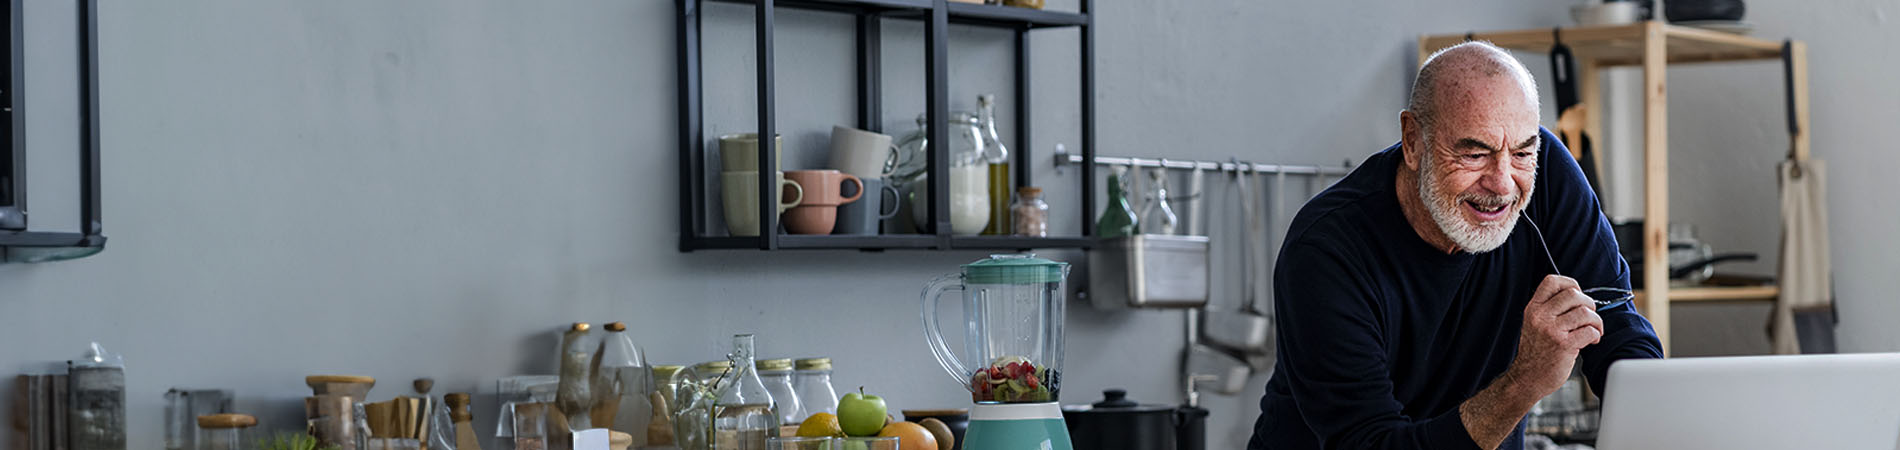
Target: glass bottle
[997,155]
[1157,216]
[1118,219]
[179,433]
[743,416]
[1029,215]
[224,431]
[621,384]
[777,375]
[812,381]
[572,397]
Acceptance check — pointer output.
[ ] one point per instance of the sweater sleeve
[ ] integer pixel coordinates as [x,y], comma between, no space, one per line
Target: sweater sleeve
[1584,245]
[1333,349]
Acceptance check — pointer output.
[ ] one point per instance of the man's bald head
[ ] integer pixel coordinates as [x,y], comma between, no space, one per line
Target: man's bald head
[1458,70]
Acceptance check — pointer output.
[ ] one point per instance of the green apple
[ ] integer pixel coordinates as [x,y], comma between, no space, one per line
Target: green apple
[860,414]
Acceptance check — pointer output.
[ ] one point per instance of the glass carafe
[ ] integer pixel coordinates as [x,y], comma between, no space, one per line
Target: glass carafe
[1012,312]
[743,416]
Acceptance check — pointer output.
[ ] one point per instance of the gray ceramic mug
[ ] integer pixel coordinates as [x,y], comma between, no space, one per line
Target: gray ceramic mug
[861,217]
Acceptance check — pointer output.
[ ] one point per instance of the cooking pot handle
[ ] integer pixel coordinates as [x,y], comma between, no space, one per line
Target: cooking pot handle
[1693,266]
[934,334]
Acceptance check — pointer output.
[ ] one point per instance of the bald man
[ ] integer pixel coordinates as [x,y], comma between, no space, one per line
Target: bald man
[1414,310]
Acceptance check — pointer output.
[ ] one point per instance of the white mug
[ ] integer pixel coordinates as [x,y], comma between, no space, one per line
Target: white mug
[861,153]
[741,194]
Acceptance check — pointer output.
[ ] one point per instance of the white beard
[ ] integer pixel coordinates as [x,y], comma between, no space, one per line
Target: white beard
[1448,213]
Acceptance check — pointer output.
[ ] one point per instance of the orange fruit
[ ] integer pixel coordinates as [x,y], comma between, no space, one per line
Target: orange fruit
[910,436]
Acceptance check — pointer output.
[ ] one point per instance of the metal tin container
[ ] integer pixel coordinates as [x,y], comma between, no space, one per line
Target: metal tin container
[1149,271]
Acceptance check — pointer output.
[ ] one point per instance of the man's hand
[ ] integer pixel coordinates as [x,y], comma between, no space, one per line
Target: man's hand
[1558,323]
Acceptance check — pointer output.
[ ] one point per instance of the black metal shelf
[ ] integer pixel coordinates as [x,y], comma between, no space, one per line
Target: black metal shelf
[893,242]
[1017,242]
[960,13]
[1009,17]
[18,242]
[937,15]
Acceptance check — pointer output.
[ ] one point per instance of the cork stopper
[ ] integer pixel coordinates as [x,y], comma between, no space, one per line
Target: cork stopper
[617,327]
[578,326]
[220,421]
[1030,191]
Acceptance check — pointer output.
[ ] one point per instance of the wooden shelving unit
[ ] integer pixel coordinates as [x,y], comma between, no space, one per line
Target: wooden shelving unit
[1654,46]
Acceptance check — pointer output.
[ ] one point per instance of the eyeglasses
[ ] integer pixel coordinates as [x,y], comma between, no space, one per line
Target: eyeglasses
[1606,297]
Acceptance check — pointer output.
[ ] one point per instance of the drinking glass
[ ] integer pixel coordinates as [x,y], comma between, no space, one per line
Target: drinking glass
[799,443]
[871,443]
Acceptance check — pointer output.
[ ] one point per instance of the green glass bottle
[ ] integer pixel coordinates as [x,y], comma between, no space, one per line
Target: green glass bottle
[1118,219]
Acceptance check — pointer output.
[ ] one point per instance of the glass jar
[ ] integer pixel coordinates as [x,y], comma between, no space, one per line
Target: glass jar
[530,426]
[743,416]
[224,431]
[665,399]
[711,373]
[777,375]
[1029,215]
[969,211]
[812,381]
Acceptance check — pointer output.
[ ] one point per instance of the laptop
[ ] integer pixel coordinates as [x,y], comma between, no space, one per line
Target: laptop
[1847,401]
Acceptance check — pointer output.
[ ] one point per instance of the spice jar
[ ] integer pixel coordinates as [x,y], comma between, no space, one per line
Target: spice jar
[1030,213]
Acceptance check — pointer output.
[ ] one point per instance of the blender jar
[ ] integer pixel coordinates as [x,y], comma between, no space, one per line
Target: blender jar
[1012,312]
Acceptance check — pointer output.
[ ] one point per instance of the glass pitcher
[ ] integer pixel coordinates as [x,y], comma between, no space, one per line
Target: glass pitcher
[1012,313]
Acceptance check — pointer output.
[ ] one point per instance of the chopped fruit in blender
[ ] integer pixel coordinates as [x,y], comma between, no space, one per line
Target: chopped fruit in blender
[1013,379]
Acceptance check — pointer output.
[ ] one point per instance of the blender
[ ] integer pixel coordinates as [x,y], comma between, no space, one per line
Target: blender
[1012,321]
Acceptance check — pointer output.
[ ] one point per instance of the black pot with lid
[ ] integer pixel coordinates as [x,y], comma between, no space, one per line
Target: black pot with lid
[1119,423]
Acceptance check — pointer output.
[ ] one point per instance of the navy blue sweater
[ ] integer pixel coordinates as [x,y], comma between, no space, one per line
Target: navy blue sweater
[1382,336]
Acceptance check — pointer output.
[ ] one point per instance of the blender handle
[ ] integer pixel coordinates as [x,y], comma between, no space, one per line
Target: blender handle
[934,334]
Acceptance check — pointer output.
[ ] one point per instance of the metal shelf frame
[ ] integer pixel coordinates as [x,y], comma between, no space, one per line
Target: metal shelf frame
[18,242]
[937,16]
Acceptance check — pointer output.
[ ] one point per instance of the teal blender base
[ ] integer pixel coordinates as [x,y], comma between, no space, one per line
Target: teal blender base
[1028,426]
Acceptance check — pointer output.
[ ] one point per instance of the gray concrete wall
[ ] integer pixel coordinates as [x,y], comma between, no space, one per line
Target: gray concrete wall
[432,188]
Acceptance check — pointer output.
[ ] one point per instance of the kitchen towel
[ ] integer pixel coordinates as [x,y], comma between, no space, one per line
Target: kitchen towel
[1805,274]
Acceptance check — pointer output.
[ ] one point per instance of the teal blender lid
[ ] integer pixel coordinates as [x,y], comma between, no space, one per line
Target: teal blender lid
[1014,269]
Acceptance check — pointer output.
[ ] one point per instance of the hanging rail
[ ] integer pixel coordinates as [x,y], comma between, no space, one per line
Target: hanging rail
[1064,158]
